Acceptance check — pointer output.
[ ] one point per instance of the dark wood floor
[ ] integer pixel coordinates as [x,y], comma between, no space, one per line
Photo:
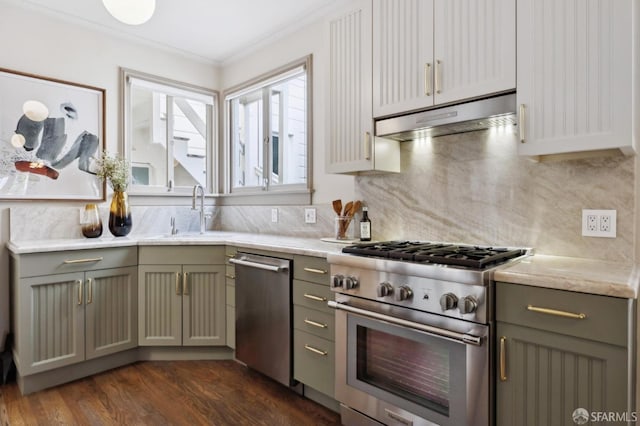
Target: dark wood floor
[165,393]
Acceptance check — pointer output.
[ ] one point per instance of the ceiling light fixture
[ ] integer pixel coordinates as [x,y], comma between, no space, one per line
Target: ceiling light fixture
[131,12]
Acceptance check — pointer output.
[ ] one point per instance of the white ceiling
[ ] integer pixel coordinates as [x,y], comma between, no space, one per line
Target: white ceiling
[212,30]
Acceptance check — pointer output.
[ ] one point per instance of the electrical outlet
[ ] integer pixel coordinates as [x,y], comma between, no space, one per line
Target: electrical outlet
[274,215]
[310,215]
[599,223]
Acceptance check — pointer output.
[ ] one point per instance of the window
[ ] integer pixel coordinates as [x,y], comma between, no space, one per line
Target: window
[268,133]
[169,133]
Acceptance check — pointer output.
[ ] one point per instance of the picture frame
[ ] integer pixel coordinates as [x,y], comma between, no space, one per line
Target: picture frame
[51,132]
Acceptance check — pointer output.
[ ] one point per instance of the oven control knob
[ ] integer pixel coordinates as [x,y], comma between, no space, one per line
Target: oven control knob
[448,301]
[350,283]
[337,281]
[384,289]
[468,305]
[403,293]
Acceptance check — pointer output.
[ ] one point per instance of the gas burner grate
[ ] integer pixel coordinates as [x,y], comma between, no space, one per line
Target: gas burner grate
[476,257]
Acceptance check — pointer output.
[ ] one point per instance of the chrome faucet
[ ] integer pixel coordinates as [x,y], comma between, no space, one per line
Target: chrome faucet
[198,190]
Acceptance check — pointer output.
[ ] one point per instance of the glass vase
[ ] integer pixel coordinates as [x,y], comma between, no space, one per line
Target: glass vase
[120,223]
[91,222]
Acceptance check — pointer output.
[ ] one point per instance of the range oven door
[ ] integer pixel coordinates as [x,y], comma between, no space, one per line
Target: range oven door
[400,371]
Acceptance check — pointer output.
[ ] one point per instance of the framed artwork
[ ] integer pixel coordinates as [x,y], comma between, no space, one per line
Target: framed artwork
[51,131]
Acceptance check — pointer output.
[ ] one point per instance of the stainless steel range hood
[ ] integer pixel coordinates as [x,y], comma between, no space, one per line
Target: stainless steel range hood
[465,117]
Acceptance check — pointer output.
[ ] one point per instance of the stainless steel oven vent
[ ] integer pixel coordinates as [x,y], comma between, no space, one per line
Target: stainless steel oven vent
[466,117]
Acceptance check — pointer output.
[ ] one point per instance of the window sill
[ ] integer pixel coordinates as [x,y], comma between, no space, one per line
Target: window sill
[279,198]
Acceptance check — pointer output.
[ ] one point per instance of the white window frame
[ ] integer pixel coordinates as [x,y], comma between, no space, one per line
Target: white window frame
[171,88]
[299,193]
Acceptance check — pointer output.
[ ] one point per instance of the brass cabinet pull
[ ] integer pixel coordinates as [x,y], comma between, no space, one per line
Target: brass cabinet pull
[521,121]
[185,283]
[229,255]
[555,312]
[89,290]
[427,79]
[79,291]
[315,350]
[438,77]
[231,277]
[316,271]
[503,359]
[316,298]
[89,260]
[367,145]
[177,283]
[315,324]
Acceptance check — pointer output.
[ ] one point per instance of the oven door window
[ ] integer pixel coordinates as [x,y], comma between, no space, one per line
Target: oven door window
[415,371]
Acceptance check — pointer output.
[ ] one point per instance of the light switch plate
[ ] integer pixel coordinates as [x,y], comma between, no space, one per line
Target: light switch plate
[274,215]
[309,215]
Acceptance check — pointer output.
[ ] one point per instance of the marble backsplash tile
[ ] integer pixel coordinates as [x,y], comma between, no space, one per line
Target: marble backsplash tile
[470,188]
[474,188]
[47,222]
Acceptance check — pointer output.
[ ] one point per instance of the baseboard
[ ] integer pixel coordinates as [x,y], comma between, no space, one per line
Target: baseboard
[322,399]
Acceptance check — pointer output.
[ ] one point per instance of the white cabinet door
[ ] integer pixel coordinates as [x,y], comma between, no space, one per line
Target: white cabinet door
[350,121]
[575,76]
[402,56]
[431,52]
[475,48]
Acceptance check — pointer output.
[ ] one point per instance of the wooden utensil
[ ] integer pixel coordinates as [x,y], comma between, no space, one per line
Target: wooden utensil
[356,207]
[337,206]
[347,208]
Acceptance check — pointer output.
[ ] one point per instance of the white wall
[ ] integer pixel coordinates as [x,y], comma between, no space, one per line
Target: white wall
[310,40]
[47,46]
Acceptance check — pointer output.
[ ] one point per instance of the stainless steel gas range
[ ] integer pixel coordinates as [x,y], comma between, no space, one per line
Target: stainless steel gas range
[414,332]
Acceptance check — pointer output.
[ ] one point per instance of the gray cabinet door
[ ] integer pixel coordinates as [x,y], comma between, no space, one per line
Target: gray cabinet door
[546,376]
[52,314]
[160,305]
[111,297]
[203,305]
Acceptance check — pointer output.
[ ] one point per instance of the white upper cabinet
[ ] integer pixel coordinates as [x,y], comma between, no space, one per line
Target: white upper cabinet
[575,76]
[351,146]
[431,52]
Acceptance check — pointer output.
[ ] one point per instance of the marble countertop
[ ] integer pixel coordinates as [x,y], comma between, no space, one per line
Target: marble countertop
[574,274]
[293,245]
[557,272]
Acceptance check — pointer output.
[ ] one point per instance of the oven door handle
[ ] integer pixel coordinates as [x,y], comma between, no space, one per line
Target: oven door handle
[460,337]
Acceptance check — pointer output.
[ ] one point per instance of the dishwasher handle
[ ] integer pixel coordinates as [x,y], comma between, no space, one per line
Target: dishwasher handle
[258,265]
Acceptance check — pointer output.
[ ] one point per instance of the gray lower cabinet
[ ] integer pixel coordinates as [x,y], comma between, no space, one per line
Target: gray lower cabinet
[558,351]
[182,304]
[61,319]
[313,323]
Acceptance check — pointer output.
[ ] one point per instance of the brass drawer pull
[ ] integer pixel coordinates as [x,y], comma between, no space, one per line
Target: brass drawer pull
[315,324]
[231,277]
[90,290]
[315,350]
[316,298]
[177,283]
[557,313]
[185,283]
[93,259]
[503,359]
[80,283]
[229,255]
[316,271]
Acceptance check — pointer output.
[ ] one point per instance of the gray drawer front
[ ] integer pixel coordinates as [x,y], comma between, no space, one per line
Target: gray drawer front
[321,324]
[312,368]
[182,255]
[313,269]
[605,320]
[61,262]
[314,296]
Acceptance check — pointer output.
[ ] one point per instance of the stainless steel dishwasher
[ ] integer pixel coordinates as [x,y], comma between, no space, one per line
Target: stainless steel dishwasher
[263,315]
